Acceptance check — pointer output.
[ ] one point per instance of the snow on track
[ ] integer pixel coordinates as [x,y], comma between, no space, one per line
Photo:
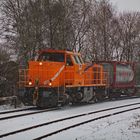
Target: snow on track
[49,116]
[120,127]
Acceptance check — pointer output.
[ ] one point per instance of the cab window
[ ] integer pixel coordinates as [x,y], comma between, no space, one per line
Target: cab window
[54,57]
[69,61]
[77,59]
[80,59]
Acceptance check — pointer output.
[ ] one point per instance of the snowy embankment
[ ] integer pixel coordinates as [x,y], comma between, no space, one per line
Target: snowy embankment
[9,107]
[120,127]
[5,107]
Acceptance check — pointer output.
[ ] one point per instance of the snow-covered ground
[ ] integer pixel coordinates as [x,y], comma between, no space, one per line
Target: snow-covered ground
[6,107]
[120,127]
[9,107]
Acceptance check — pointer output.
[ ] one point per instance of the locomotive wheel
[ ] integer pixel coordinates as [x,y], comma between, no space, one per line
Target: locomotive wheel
[51,101]
[79,96]
[99,98]
[94,98]
[118,95]
[111,95]
[65,100]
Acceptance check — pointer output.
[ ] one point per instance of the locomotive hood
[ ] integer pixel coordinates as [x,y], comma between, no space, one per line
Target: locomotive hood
[45,72]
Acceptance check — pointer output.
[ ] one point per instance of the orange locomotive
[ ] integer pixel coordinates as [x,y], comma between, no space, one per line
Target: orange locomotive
[60,76]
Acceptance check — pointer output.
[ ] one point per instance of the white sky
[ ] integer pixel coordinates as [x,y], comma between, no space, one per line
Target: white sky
[127,5]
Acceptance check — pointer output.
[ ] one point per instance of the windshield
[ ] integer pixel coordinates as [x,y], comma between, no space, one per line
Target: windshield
[77,59]
[55,57]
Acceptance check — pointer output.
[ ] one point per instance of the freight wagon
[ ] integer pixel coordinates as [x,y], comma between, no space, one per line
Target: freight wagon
[121,78]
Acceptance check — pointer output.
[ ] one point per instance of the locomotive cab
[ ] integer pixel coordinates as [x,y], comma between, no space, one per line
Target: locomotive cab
[71,62]
[74,68]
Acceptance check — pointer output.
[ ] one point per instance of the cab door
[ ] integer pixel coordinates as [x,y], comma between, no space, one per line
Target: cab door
[69,70]
[74,70]
[79,70]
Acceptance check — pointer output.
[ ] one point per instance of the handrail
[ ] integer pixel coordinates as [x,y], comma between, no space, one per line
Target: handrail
[89,77]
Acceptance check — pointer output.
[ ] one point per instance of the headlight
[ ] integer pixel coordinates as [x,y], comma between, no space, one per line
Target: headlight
[50,84]
[30,82]
[40,63]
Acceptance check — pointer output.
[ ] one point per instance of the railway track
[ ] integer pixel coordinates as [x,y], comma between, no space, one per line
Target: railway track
[84,122]
[41,111]
[109,100]
[26,114]
[106,113]
[18,110]
[32,108]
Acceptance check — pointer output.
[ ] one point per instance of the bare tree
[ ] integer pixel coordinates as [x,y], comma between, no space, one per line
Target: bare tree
[89,26]
[102,34]
[4,55]
[129,36]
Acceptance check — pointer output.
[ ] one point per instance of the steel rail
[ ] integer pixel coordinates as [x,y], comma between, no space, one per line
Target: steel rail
[68,118]
[85,122]
[18,110]
[30,113]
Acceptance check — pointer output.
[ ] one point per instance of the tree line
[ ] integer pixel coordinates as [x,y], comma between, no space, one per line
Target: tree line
[93,27]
